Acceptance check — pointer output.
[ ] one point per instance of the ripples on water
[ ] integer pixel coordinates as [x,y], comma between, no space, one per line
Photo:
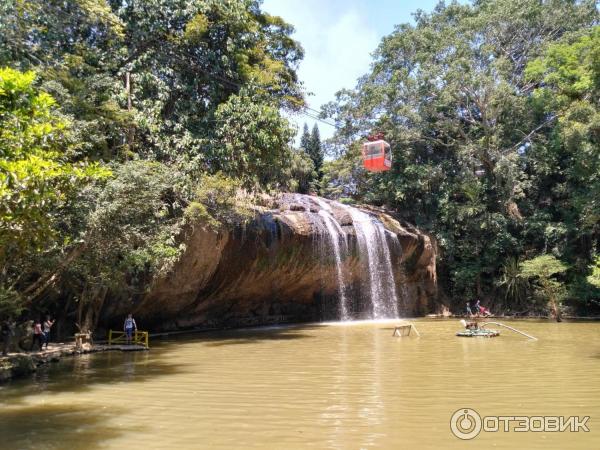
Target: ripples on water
[330,386]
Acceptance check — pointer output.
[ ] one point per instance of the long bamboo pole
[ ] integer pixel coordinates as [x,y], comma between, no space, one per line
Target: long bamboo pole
[510,328]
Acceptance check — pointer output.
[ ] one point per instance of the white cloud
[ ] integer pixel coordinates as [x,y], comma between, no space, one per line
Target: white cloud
[337,48]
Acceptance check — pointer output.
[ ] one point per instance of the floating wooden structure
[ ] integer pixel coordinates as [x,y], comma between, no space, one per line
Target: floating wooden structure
[138,338]
[478,332]
[405,329]
[474,329]
[120,348]
[83,341]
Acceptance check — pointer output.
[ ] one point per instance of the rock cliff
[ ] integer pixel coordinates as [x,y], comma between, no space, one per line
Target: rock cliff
[280,267]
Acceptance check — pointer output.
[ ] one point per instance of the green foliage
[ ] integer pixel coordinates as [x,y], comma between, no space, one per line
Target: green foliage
[11,303]
[491,112]
[542,271]
[219,200]
[513,283]
[37,171]
[183,62]
[315,149]
[569,73]
[345,176]
[594,277]
[164,93]
[127,232]
[132,228]
[311,144]
[252,141]
[543,267]
[300,172]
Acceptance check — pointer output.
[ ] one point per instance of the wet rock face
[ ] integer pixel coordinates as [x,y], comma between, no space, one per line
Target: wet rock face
[280,268]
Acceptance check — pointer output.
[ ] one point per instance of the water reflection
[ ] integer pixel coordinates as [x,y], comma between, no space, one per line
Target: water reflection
[313,386]
[336,413]
[375,410]
[58,426]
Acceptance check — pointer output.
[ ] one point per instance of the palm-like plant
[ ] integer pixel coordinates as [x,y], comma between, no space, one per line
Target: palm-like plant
[514,285]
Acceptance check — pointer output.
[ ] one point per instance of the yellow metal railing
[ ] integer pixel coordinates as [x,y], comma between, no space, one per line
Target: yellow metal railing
[119,337]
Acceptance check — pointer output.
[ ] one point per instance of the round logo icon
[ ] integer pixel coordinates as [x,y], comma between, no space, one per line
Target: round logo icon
[465,423]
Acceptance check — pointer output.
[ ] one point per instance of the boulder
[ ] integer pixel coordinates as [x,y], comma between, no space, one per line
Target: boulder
[279,268]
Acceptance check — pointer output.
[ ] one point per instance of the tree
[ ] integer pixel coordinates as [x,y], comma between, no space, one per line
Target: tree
[315,151]
[514,285]
[146,78]
[542,271]
[130,230]
[310,143]
[169,96]
[252,141]
[75,48]
[305,138]
[594,277]
[345,177]
[476,159]
[39,175]
[301,172]
[569,88]
[38,171]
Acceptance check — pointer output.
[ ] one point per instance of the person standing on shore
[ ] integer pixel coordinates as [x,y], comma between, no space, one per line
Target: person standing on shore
[47,327]
[38,335]
[129,326]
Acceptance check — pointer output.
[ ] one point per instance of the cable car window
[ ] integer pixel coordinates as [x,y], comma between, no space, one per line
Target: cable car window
[373,150]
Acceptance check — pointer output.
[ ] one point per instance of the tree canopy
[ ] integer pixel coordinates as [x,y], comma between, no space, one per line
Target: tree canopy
[121,122]
[491,109]
[117,118]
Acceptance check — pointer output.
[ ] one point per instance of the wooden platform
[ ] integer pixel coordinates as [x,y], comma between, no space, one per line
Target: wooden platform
[121,348]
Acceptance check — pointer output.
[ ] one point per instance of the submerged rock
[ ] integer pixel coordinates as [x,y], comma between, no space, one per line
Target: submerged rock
[279,268]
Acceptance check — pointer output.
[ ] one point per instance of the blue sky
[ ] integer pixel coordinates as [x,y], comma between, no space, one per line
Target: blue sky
[338,37]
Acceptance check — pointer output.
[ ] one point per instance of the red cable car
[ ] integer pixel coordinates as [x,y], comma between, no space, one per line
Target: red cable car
[377,156]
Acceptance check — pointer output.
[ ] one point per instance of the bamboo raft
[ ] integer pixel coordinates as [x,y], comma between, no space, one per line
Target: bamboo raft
[473,329]
[479,332]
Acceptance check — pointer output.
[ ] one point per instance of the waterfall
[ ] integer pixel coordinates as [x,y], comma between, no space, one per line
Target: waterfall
[336,233]
[374,251]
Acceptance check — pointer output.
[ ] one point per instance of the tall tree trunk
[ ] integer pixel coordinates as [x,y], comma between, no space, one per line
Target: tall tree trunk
[45,281]
[555,310]
[82,301]
[94,307]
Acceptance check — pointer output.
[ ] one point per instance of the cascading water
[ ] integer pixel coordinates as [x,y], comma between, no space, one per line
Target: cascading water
[336,234]
[373,253]
[372,243]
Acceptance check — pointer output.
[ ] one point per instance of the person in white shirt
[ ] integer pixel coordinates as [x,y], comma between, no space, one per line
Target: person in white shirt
[47,325]
[129,327]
